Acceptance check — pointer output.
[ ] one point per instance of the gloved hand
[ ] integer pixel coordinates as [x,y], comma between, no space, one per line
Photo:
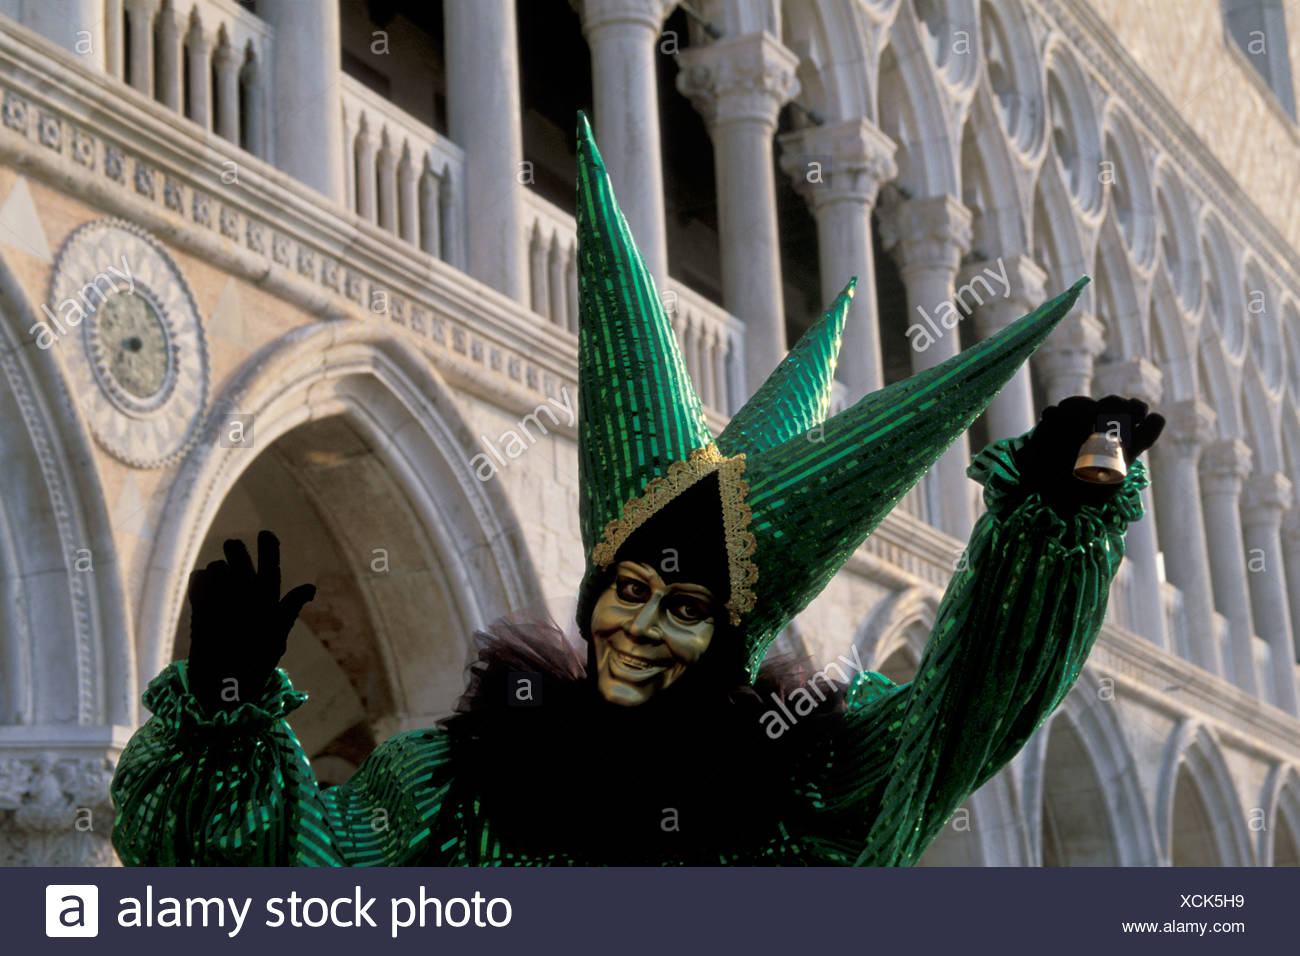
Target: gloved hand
[239,624]
[1052,448]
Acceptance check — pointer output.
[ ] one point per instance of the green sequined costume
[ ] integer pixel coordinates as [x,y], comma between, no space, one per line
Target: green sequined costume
[875,785]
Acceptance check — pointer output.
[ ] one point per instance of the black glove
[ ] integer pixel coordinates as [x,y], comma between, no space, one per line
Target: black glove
[1052,448]
[239,624]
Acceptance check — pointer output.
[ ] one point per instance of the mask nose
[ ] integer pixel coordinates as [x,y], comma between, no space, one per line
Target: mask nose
[645,626]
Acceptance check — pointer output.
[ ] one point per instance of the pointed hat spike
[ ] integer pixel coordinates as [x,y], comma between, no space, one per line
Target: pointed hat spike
[637,409]
[797,395]
[815,500]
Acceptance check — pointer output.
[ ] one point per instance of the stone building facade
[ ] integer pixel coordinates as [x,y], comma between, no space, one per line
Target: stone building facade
[310,266]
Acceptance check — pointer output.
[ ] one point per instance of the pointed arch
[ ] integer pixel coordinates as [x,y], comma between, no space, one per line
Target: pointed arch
[1088,712]
[389,395]
[65,628]
[1193,749]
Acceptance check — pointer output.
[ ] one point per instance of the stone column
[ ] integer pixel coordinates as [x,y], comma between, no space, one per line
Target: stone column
[1291,553]
[839,169]
[1140,379]
[622,35]
[928,238]
[1066,359]
[139,15]
[1176,487]
[1011,413]
[225,61]
[1224,467]
[169,57]
[1265,499]
[306,109]
[739,84]
[200,74]
[483,110]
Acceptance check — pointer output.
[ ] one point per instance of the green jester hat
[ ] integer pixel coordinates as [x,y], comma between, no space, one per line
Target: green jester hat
[799,492]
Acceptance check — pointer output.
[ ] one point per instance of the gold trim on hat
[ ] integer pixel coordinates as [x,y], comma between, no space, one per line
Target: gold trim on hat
[742,573]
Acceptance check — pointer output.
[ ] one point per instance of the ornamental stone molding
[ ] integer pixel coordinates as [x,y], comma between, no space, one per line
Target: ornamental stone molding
[847,161]
[1264,499]
[739,79]
[1028,282]
[930,233]
[1135,378]
[55,810]
[136,358]
[601,13]
[1224,466]
[1189,427]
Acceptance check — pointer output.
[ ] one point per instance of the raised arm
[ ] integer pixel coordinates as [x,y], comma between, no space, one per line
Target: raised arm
[1011,635]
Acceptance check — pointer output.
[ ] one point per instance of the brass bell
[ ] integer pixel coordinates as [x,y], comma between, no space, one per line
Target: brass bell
[1101,460]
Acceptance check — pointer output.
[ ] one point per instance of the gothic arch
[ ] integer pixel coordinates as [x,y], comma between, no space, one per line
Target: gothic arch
[837,57]
[994,183]
[1219,384]
[1014,77]
[388,393]
[1130,195]
[901,622]
[1075,131]
[81,671]
[1260,419]
[1096,728]
[1281,806]
[1176,231]
[918,113]
[1193,748]
[1172,341]
[1223,302]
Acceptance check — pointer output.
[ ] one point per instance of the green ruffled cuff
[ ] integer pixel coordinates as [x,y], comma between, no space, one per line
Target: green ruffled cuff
[997,468]
[168,698]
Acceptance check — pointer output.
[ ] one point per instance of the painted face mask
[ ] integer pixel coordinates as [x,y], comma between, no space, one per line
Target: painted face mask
[647,632]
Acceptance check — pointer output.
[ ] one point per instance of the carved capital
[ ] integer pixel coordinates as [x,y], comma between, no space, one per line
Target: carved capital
[55,810]
[1224,466]
[739,78]
[597,14]
[1136,378]
[1079,338]
[1189,427]
[1264,499]
[1017,284]
[931,233]
[843,162]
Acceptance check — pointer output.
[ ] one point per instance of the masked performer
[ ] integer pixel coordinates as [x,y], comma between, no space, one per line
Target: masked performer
[663,745]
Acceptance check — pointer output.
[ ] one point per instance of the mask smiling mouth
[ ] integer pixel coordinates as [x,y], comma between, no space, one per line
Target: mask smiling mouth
[635,663]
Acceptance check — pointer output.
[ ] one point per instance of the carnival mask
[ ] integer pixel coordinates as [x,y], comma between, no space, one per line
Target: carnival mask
[647,632]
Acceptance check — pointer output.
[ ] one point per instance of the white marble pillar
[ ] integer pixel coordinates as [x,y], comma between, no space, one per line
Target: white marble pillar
[139,15]
[1176,488]
[1140,379]
[1265,498]
[169,57]
[623,37]
[483,110]
[1291,555]
[739,84]
[1224,467]
[839,169]
[928,238]
[306,110]
[1065,360]
[114,39]
[225,63]
[1011,413]
[200,74]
